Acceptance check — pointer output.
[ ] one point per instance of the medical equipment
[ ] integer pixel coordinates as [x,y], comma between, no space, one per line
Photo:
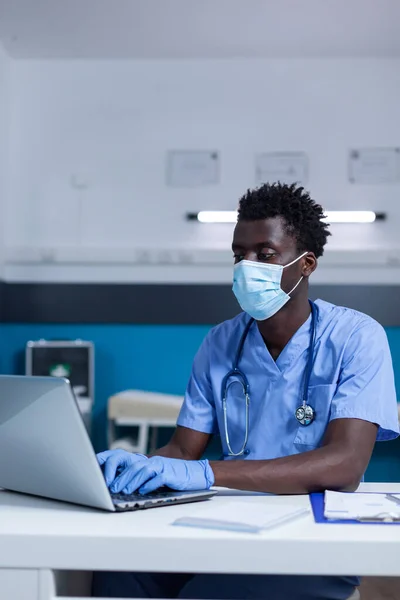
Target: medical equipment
[304,414]
[146,475]
[113,462]
[257,287]
[73,359]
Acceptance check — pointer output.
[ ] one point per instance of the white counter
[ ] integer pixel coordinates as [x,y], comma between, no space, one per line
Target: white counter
[37,534]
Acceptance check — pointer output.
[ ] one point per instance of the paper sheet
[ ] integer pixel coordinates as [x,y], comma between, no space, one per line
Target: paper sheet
[242,516]
[340,505]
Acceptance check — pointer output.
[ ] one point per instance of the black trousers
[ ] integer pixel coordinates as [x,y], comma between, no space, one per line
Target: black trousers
[221,587]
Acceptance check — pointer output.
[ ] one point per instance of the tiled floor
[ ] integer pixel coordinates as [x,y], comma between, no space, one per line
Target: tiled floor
[376,588]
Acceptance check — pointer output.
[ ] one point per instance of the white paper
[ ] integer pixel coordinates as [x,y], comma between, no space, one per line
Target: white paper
[341,505]
[286,167]
[242,516]
[192,168]
[374,165]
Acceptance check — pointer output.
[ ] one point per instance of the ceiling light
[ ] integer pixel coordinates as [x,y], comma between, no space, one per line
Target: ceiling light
[350,216]
[331,216]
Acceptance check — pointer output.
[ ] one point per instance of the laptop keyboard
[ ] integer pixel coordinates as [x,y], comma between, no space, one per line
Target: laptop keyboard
[140,497]
[123,502]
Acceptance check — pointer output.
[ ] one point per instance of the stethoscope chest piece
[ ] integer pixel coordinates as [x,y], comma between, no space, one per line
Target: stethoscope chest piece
[305,414]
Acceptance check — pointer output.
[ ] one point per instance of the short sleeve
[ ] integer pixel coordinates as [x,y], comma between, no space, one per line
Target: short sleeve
[366,388]
[198,409]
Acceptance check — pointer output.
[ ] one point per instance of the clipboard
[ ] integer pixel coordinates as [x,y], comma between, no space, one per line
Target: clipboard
[317,505]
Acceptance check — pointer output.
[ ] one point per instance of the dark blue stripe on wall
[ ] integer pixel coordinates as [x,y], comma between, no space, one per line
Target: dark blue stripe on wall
[177,304]
[147,357]
[156,358]
[143,343]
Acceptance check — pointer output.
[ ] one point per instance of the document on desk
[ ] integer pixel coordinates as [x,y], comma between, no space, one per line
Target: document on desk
[242,516]
[362,506]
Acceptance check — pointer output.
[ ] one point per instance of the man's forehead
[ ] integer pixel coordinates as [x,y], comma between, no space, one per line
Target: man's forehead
[252,233]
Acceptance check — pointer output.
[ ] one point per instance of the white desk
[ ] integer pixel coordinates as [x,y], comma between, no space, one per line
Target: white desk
[38,536]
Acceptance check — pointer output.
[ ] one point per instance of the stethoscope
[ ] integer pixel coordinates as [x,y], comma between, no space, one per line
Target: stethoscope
[304,414]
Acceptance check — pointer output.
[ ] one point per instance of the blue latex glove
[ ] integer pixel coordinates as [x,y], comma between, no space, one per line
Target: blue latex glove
[114,462]
[147,476]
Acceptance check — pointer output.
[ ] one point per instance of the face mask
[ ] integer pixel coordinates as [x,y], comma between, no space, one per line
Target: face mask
[257,287]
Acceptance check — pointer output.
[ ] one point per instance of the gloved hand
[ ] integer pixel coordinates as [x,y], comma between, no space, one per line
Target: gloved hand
[147,476]
[114,462]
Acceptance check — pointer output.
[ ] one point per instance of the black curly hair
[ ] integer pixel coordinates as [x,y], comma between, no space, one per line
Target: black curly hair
[302,215]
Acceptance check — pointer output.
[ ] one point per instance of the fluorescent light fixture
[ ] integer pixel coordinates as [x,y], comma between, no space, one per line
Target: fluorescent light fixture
[331,216]
[350,216]
[217,216]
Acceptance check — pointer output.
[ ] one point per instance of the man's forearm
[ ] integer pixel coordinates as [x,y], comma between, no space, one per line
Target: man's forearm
[187,444]
[177,450]
[171,451]
[312,471]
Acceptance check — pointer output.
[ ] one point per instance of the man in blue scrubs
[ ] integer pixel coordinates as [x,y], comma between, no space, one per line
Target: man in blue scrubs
[351,399]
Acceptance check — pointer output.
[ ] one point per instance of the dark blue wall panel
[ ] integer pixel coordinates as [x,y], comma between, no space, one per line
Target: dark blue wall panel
[154,358]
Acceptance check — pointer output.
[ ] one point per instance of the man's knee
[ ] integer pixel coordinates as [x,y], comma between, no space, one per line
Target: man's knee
[114,585]
[138,585]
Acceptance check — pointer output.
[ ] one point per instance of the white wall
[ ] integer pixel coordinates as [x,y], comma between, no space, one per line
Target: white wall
[109,124]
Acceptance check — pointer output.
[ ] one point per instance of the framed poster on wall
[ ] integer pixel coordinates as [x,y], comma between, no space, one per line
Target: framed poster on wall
[374,165]
[286,167]
[192,168]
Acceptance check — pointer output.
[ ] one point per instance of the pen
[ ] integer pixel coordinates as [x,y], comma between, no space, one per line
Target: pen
[393,498]
[380,518]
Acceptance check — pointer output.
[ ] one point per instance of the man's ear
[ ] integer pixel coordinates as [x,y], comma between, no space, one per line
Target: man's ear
[310,263]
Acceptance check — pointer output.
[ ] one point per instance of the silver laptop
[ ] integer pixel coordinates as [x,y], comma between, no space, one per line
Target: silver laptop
[45,449]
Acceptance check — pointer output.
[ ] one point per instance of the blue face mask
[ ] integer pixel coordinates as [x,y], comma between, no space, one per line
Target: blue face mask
[257,287]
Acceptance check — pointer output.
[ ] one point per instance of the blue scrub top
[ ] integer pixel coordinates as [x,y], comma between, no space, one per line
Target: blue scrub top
[352,378]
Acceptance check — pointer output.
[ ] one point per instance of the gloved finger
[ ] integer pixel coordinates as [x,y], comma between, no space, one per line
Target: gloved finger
[137,456]
[111,466]
[102,456]
[151,485]
[132,478]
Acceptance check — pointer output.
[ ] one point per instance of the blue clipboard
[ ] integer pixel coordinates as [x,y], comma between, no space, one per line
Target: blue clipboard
[317,504]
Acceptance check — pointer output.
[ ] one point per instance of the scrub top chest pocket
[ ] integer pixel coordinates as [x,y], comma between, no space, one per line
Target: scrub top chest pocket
[320,398]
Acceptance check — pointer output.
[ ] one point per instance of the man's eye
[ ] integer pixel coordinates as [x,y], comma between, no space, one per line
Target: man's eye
[265,256]
[238,257]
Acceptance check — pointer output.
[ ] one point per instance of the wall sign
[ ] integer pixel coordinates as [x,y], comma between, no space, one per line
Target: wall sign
[286,167]
[192,168]
[374,165]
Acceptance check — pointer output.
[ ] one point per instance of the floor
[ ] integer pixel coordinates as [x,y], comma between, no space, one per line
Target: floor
[377,588]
